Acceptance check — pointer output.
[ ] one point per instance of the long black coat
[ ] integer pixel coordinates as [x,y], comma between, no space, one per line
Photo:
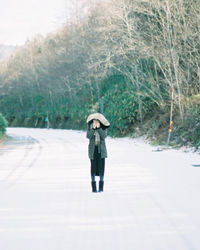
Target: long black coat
[102,145]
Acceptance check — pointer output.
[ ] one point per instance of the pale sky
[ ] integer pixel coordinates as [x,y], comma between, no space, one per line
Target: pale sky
[23,19]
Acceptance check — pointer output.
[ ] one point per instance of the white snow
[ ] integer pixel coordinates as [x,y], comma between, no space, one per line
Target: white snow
[151,199]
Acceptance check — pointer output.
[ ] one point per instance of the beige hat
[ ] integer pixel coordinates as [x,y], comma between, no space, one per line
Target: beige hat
[99,117]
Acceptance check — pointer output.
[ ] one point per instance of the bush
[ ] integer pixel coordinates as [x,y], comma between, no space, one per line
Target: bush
[122,109]
[3,125]
[188,132]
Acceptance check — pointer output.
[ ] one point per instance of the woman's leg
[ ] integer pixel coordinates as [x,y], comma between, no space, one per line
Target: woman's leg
[93,182]
[102,170]
[101,178]
[95,168]
[93,177]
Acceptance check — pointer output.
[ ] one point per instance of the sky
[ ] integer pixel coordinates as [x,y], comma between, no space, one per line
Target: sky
[23,19]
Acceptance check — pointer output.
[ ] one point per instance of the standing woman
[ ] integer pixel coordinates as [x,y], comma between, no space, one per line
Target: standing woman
[97,152]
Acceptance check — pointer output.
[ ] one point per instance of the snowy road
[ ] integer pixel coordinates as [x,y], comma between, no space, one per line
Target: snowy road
[151,199]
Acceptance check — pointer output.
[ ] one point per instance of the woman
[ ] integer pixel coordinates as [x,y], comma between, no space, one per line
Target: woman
[96,133]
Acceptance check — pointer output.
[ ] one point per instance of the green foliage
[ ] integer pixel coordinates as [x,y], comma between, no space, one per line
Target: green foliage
[188,132]
[121,108]
[3,125]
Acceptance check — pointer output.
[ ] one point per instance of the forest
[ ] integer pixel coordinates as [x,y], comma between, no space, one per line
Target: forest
[135,61]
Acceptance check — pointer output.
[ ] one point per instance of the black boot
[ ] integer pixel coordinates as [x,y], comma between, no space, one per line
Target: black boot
[101,183]
[94,187]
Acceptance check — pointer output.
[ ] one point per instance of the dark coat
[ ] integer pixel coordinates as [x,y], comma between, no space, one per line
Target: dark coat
[102,145]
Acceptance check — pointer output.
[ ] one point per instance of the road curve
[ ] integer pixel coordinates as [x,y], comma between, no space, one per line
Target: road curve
[150,200]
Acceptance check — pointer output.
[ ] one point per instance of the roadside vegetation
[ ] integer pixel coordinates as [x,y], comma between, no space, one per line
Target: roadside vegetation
[3,125]
[123,58]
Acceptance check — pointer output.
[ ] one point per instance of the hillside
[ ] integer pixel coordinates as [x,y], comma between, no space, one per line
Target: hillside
[124,58]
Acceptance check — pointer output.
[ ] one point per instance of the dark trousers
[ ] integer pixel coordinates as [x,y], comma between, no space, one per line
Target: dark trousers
[97,165]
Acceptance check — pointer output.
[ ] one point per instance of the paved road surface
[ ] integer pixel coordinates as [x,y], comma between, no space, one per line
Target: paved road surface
[151,199]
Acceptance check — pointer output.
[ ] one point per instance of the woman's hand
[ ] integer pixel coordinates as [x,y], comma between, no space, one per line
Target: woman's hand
[96,124]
